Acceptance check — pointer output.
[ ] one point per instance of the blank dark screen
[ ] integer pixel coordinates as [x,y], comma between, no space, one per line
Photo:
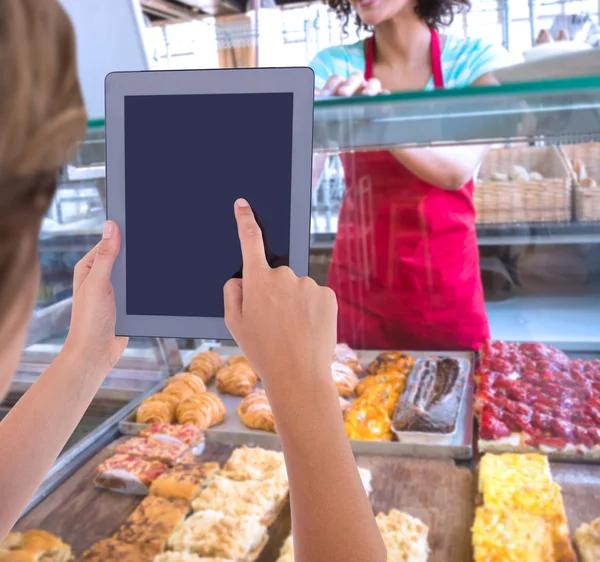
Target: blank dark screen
[187,159]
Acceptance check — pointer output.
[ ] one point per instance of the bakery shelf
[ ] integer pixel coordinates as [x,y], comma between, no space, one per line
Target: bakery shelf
[564,110]
[506,234]
[541,233]
[459,446]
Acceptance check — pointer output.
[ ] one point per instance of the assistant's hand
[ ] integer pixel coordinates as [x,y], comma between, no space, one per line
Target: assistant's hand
[92,333]
[282,323]
[354,85]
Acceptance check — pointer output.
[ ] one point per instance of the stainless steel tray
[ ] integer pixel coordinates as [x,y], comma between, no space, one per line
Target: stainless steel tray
[234,432]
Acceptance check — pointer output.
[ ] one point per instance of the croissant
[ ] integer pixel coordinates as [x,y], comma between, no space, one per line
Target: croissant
[238,379]
[345,379]
[154,411]
[235,359]
[194,382]
[255,412]
[206,364]
[180,390]
[204,410]
[170,399]
[344,354]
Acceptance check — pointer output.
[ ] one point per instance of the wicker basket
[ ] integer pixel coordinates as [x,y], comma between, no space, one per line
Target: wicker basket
[587,198]
[523,201]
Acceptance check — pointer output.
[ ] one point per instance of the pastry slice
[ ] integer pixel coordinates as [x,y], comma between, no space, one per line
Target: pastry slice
[213,534]
[128,474]
[513,470]
[183,482]
[154,449]
[239,498]
[190,435]
[34,545]
[587,541]
[511,536]
[405,537]
[517,483]
[152,523]
[254,463]
[112,550]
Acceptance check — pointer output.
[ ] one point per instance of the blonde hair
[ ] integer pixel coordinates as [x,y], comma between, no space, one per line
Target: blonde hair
[42,117]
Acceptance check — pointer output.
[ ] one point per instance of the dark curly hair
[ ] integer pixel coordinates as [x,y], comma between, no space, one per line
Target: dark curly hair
[435,13]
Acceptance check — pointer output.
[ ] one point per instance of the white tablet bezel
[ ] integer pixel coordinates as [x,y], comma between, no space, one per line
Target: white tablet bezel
[298,81]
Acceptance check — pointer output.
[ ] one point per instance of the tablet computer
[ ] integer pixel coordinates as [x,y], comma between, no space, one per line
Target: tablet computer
[181,147]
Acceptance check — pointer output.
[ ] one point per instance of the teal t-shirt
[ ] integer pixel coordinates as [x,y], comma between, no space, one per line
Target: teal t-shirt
[464,60]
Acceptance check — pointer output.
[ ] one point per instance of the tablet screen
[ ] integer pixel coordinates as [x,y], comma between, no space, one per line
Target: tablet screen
[187,159]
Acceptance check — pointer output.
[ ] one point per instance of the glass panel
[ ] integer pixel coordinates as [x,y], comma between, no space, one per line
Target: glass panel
[416,266]
[538,256]
[557,110]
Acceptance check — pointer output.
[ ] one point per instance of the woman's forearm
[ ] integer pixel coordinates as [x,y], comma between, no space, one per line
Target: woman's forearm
[37,428]
[325,486]
[448,167]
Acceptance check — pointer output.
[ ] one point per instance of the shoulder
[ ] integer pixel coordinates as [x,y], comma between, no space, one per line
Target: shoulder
[342,60]
[465,59]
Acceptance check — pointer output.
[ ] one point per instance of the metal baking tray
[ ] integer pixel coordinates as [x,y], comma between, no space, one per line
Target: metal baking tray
[460,446]
[432,438]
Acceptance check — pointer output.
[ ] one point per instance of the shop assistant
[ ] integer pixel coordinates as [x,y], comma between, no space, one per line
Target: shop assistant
[405,265]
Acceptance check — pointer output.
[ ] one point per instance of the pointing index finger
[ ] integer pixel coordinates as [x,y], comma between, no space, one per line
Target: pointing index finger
[251,238]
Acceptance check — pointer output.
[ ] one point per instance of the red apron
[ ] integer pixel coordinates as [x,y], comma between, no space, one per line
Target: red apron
[405,264]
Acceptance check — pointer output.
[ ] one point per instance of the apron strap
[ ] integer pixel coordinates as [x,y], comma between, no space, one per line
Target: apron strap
[436,59]
[369,56]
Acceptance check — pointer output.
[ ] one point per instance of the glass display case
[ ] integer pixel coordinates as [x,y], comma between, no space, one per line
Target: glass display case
[522,239]
[537,232]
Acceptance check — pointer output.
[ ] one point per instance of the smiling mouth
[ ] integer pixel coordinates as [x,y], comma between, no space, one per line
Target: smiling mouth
[366,3]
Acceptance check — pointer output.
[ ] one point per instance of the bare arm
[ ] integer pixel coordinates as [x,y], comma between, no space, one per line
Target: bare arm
[36,429]
[324,483]
[287,328]
[448,167]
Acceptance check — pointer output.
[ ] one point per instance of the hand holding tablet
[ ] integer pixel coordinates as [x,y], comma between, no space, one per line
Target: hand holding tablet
[272,309]
[181,146]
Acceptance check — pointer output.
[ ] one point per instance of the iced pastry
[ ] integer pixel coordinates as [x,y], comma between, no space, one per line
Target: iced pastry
[432,397]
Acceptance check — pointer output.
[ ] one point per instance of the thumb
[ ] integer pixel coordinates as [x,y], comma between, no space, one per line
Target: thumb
[106,252]
[232,295]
